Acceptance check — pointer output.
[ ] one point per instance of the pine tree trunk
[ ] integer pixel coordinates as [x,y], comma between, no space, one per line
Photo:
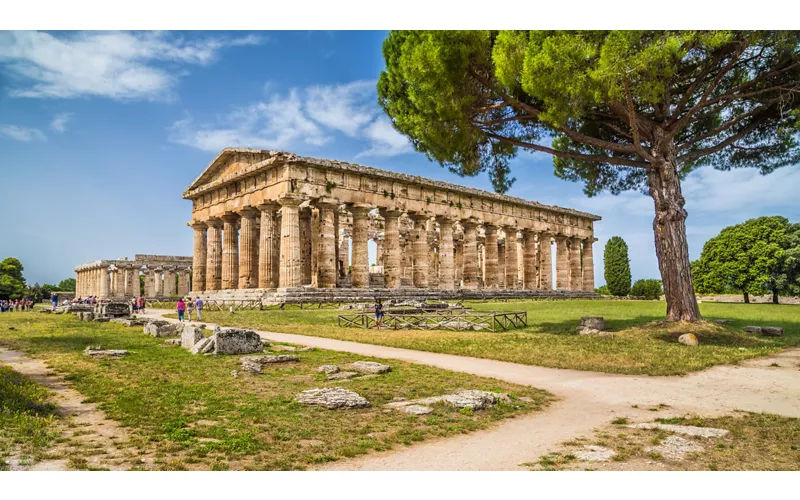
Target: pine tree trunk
[672,248]
[746,298]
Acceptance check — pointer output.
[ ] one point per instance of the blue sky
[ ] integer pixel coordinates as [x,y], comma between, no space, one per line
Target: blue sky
[100,133]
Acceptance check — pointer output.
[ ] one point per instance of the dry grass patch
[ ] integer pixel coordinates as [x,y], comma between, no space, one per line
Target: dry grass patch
[756,441]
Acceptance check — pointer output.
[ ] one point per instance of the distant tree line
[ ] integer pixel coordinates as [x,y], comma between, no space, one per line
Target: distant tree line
[13,285]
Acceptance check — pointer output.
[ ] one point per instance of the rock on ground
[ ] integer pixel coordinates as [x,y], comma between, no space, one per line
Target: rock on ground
[592,453]
[688,339]
[593,322]
[190,336]
[417,409]
[211,347]
[200,345]
[237,341]
[369,367]
[160,328]
[332,398]
[688,430]
[342,375]
[752,329]
[771,331]
[251,366]
[328,369]
[676,447]
[281,358]
[97,352]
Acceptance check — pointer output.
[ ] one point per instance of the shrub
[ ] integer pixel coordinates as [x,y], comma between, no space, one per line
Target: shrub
[603,290]
[649,289]
[617,267]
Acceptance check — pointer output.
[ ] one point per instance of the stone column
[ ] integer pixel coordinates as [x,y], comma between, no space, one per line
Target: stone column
[230,252]
[336,239]
[170,288]
[158,283]
[419,247]
[588,265]
[248,253]
[512,266]
[119,283]
[183,282]
[447,263]
[360,274]
[562,263]
[104,283]
[470,272]
[575,278]
[268,258]
[391,247]
[458,252]
[501,263]
[529,261]
[545,261]
[199,256]
[491,279]
[378,251]
[130,274]
[326,252]
[214,256]
[344,255]
[305,244]
[290,256]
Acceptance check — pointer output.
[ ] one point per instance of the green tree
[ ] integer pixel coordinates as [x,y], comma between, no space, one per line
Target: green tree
[649,289]
[12,283]
[67,285]
[745,257]
[786,280]
[617,267]
[620,110]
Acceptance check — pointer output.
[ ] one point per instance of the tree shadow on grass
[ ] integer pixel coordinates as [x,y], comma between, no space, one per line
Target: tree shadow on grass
[570,327]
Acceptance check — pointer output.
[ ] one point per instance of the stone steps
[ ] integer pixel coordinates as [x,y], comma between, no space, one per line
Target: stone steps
[324,295]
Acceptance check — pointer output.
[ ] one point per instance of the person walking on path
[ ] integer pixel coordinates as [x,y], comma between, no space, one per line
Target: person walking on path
[181,309]
[55,300]
[189,307]
[198,305]
[378,313]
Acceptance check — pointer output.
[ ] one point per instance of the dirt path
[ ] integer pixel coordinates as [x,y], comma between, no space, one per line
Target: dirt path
[588,400]
[92,440]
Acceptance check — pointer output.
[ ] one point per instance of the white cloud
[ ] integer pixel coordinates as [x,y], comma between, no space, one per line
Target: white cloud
[345,107]
[275,124]
[23,134]
[59,123]
[303,116]
[386,141]
[116,65]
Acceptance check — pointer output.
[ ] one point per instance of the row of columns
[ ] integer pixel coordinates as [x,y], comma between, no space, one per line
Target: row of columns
[260,247]
[113,281]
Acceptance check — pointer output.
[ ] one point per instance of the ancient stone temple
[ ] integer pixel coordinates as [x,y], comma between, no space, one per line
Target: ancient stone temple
[268,220]
[164,276]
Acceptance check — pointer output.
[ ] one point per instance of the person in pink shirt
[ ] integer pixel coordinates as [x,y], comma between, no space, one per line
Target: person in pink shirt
[181,309]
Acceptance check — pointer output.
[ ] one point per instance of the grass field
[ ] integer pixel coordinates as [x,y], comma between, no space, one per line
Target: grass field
[190,412]
[639,345]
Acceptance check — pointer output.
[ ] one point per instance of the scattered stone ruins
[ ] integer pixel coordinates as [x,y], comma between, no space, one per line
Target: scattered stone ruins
[266,220]
[164,276]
